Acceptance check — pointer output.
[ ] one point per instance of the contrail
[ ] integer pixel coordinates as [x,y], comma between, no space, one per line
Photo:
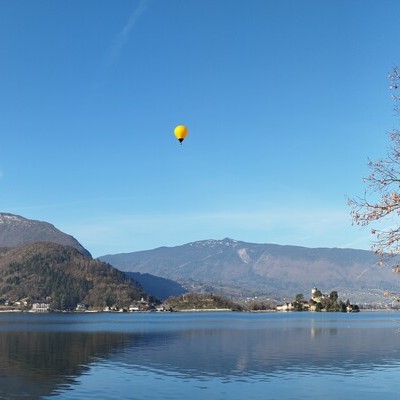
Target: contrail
[123,35]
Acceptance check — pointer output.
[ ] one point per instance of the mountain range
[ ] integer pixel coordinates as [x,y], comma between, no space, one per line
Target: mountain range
[241,269]
[228,267]
[31,240]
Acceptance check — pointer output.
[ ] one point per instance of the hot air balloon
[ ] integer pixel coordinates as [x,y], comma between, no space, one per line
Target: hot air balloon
[181,132]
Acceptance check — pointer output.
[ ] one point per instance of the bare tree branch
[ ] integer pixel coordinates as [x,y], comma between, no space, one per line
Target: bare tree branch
[382,194]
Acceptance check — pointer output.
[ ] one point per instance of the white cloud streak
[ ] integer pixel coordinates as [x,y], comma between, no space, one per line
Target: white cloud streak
[123,36]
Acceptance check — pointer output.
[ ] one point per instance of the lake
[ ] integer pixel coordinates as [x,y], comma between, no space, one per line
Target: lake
[200,356]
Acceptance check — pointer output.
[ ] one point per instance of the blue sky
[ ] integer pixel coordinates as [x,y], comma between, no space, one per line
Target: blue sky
[285,100]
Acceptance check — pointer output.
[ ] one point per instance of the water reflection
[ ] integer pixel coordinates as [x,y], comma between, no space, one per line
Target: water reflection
[43,355]
[32,364]
[243,353]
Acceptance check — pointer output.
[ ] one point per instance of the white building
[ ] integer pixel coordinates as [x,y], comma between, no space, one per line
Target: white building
[40,307]
[285,307]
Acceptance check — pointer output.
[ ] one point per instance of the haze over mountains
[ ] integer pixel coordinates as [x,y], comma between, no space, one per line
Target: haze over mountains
[243,269]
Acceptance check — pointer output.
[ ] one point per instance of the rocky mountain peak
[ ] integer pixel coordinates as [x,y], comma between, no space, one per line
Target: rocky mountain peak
[18,231]
[215,243]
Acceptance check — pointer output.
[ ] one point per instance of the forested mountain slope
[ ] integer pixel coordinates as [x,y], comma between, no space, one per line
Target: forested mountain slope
[62,276]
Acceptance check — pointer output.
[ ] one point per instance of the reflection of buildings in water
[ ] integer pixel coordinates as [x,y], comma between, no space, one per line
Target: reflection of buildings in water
[315,331]
[42,362]
[242,363]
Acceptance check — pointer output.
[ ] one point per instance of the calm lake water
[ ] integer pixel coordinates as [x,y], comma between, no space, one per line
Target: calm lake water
[200,356]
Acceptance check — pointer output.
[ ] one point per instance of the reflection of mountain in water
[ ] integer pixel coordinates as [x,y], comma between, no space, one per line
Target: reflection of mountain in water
[33,364]
[266,351]
[41,359]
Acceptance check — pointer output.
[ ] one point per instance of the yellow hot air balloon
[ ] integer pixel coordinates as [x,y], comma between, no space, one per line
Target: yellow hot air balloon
[181,132]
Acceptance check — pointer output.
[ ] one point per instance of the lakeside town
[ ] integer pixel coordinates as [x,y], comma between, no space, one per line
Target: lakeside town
[141,305]
[196,302]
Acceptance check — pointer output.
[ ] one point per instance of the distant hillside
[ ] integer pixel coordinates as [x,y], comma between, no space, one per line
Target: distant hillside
[160,288]
[195,301]
[62,276]
[18,231]
[246,269]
